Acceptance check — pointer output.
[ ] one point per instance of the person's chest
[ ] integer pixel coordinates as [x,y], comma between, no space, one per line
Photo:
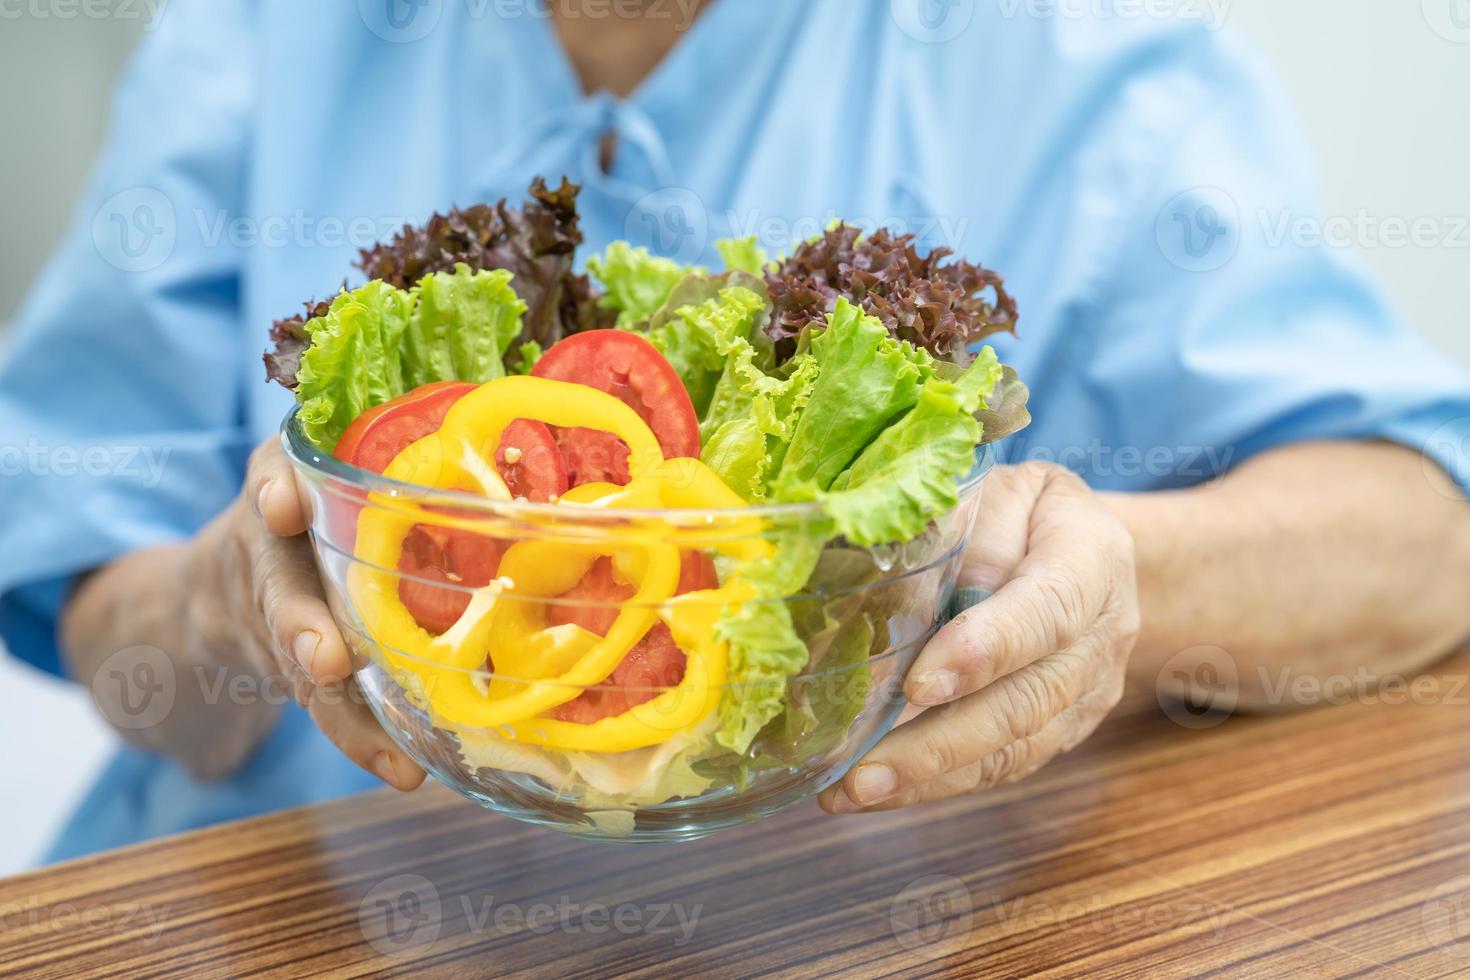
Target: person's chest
[768,119]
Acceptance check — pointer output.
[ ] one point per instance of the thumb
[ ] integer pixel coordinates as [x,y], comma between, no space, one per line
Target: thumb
[271,490]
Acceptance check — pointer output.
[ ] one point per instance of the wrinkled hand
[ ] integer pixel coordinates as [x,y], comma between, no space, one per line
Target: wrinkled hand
[263,599]
[1030,672]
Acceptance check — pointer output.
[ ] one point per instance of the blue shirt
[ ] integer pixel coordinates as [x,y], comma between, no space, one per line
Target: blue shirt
[1126,175]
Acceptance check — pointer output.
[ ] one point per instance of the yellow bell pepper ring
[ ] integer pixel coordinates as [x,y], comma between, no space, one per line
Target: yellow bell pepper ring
[691,620]
[538,667]
[450,458]
[472,429]
[543,570]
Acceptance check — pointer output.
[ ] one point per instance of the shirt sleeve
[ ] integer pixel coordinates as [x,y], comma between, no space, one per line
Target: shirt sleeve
[121,418]
[1235,318]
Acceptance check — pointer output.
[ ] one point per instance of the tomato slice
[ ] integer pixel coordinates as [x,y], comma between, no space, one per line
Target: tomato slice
[697,573]
[378,435]
[602,593]
[442,554]
[527,459]
[627,366]
[655,663]
[530,463]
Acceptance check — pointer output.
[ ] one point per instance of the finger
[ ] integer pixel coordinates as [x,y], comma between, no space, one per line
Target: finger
[342,715]
[1056,593]
[1003,525]
[270,489]
[1009,764]
[959,735]
[292,601]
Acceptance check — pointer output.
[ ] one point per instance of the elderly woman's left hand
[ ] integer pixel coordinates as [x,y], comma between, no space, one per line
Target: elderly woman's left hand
[1027,674]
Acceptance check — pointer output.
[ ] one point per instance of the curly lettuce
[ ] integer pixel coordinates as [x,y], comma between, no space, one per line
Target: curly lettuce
[462,324]
[742,254]
[872,429]
[355,360]
[636,281]
[746,413]
[377,342]
[695,334]
[944,307]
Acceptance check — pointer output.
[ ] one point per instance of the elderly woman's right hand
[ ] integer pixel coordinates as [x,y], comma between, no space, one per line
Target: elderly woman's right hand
[243,598]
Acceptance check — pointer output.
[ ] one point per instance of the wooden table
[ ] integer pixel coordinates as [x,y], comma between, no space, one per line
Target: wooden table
[1333,842]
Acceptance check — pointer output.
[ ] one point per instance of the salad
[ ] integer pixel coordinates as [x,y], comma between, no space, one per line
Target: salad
[651,663]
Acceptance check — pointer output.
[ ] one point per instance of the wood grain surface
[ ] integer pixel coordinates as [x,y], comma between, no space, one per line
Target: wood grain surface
[1333,842]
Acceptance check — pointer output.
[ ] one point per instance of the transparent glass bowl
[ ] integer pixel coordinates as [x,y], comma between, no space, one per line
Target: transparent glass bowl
[862,618]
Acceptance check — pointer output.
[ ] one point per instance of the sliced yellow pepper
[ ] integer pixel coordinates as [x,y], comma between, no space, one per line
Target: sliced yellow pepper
[691,620]
[450,458]
[464,447]
[538,667]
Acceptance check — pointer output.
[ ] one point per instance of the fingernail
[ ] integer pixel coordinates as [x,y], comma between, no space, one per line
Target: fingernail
[265,489]
[383,767]
[873,783]
[934,687]
[842,803]
[303,649]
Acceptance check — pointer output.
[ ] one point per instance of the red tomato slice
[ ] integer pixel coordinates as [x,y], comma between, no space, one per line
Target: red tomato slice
[627,366]
[697,573]
[437,553]
[530,463]
[378,435]
[602,593]
[527,459]
[656,662]
[593,456]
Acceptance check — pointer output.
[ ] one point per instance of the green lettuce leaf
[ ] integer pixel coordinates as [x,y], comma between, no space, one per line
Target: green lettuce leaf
[535,242]
[378,341]
[636,281]
[353,361]
[528,354]
[742,254]
[867,379]
[462,324]
[910,473]
[764,647]
[752,415]
[738,452]
[896,437]
[695,337]
[821,704]
[672,777]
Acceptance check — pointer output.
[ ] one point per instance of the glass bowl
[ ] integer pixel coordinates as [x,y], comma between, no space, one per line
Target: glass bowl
[683,751]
